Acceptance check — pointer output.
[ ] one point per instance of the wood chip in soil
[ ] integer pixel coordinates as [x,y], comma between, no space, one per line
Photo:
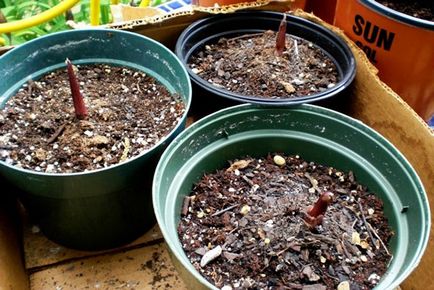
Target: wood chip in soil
[247,222]
[129,112]
[248,65]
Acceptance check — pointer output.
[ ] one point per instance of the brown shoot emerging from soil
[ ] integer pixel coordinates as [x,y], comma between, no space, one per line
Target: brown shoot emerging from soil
[77,97]
[281,37]
[315,213]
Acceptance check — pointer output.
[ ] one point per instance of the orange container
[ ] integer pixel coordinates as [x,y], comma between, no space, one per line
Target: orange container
[324,9]
[400,46]
[299,4]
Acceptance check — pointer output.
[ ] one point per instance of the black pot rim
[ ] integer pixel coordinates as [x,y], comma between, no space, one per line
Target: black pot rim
[347,77]
[398,16]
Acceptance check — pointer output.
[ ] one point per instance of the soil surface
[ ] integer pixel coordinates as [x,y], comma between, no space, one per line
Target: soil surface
[129,112]
[423,9]
[248,65]
[244,228]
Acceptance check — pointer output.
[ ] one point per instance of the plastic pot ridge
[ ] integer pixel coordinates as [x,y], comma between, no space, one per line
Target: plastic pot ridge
[101,208]
[316,134]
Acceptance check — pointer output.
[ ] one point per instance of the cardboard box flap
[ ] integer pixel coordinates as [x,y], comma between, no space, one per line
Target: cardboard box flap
[378,106]
[374,103]
[128,17]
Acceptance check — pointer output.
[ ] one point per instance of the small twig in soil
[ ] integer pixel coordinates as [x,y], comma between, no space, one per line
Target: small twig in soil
[313,182]
[56,134]
[322,238]
[185,205]
[30,84]
[225,210]
[296,49]
[233,230]
[366,223]
[354,223]
[287,248]
[378,237]
[282,251]
[138,88]
[79,106]
[281,37]
[344,248]
[245,36]
[249,182]
[353,249]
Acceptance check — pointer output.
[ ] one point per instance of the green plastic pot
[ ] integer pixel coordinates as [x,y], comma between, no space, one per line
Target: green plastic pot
[102,208]
[315,133]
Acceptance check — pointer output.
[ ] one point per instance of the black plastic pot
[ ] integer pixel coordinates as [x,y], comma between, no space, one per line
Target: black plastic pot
[209,30]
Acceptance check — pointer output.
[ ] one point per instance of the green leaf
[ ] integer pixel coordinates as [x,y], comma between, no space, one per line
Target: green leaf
[8,12]
[24,6]
[105,14]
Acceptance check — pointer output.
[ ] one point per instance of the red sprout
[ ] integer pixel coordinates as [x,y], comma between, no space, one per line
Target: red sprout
[79,106]
[281,37]
[315,213]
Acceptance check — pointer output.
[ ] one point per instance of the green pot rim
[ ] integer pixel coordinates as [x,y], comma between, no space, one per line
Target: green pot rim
[313,109]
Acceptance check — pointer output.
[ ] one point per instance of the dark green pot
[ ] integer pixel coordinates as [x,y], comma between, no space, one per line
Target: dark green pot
[101,208]
[316,134]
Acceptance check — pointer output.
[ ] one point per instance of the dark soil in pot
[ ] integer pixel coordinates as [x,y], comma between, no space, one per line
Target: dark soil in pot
[250,227]
[423,9]
[129,112]
[248,65]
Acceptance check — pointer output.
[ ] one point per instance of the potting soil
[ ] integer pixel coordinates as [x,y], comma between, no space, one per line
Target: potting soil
[245,227]
[248,65]
[129,112]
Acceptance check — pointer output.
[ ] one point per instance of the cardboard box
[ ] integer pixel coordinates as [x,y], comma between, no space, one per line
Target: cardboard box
[29,261]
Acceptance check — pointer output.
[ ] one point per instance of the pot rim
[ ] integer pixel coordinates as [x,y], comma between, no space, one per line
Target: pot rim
[347,77]
[187,102]
[398,16]
[340,117]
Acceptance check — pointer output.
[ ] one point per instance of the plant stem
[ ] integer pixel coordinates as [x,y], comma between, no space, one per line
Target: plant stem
[79,106]
[315,214]
[281,37]
[320,207]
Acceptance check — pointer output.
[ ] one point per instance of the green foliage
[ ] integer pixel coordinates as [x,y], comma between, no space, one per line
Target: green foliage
[20,9]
